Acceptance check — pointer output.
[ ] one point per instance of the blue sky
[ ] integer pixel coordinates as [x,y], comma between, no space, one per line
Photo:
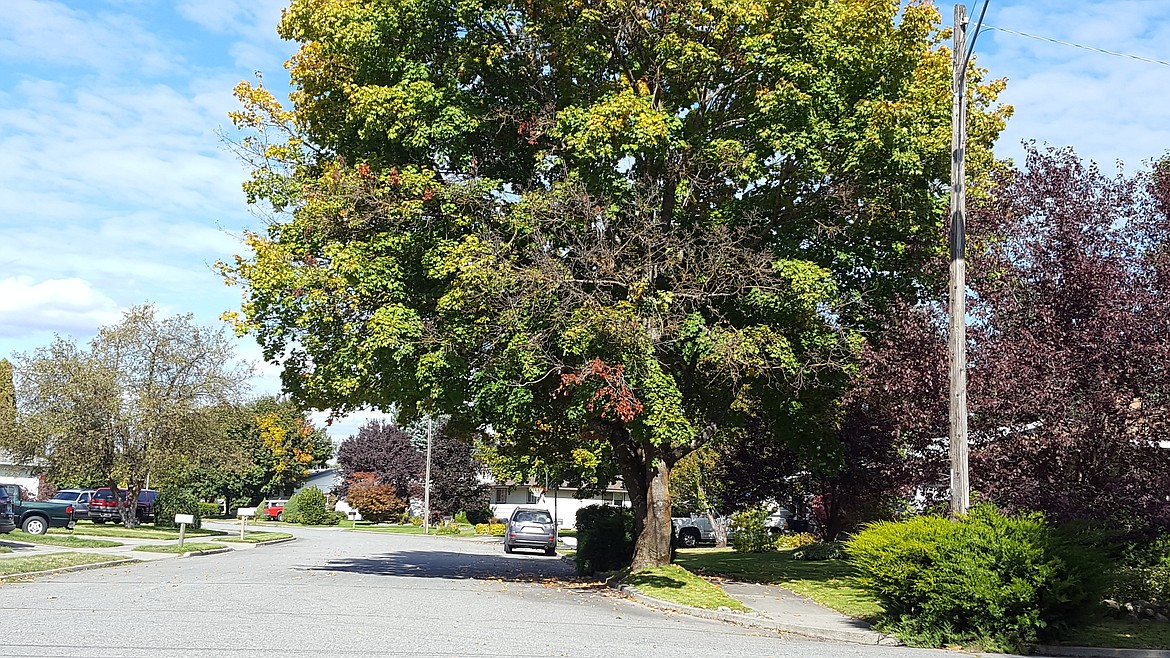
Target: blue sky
[116,189]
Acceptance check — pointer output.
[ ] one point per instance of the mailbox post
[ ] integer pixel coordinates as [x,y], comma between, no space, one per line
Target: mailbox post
[244,513]
[183,520]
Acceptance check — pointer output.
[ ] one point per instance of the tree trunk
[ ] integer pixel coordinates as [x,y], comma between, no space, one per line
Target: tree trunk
[716,525]
[652,547]
[645,478]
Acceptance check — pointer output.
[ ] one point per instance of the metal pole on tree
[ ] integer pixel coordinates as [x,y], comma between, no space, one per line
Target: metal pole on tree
[960,483]
[427,484]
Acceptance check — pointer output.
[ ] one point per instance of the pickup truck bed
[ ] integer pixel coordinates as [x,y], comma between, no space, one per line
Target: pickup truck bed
[36,517]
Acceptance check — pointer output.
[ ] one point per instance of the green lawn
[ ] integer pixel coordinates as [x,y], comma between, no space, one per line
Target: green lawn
[15,565]
[1122,634]
[677,585]
[140,532]
[829,582]
[256,537]
[61,540]
[5,549]
[174,548]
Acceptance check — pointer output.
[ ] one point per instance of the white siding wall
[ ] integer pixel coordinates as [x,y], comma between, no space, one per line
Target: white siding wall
[10,474]
[559,503]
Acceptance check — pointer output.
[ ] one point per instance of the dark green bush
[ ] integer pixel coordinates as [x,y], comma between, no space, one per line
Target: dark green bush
[748,534]
[210,510]
[829,550]
[477,516]
[605,538]
[1003,582]
[309,507]
[176,501]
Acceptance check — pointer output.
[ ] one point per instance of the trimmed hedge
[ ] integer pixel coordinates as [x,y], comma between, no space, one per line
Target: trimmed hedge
[176,501]
[605,538]
[1004,582]
[493,529]
[309,507]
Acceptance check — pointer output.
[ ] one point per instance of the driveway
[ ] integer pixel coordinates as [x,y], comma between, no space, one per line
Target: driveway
[340,593]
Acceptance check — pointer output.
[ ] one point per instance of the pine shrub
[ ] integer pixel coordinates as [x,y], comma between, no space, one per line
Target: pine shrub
[477,516]
[605,538]
[176,501]
[829,550]
[1000,581]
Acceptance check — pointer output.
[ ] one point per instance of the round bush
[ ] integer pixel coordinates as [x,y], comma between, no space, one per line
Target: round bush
[309,507]
[747,531]
[605,538]
[176,501]
[478,516]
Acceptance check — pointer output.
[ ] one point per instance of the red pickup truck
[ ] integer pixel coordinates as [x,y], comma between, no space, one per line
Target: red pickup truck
[271,510]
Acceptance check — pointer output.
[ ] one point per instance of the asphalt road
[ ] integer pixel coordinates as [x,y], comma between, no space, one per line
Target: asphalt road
[338,593]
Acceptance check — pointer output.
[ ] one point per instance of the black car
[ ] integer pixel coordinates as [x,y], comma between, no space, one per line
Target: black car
[531,527]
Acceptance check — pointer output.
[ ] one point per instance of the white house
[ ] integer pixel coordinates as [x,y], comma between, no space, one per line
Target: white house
[561,502]
[25,475]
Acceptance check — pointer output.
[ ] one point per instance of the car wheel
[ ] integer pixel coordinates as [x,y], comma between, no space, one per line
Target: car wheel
[507,548]
[689,539]
[550,551]
[280,516]
[35,525]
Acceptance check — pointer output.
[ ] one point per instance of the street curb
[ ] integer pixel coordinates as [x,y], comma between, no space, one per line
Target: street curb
[754,619]
[79,567]
[273,541]
[1099,652]
[210,551]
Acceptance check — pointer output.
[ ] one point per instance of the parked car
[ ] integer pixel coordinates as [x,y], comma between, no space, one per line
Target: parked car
[104,507]
[692,531]
[36,517]
[78,498]
[531,527]
[271,510]
[7,522]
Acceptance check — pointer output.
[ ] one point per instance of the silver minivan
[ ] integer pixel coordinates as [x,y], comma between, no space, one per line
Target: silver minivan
[531,527]
[78,498]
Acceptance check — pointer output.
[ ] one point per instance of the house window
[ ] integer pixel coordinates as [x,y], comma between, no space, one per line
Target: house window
[531,498]
[501,495]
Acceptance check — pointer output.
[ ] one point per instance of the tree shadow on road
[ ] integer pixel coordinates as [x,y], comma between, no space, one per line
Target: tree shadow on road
[450,564]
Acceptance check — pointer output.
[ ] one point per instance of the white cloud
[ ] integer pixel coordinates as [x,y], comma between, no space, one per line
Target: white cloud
[52,33]
[59,305]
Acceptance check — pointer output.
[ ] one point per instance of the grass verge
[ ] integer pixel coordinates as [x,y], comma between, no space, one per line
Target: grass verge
[5,549]
[831,583]
[140,532]
[61,540]
[677,585]
[188,547]
[16,565]
[1122,634]
[256,537]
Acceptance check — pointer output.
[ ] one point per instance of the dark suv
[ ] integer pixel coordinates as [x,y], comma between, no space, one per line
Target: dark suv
[7,524]
[104,507]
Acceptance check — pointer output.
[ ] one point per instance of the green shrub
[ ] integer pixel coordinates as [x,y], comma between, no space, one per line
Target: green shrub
[1140,584]
[605,538]
[210,510]
[416,521]
[795,540]
[176,501]
[829,550]
[339,517]
[1003,582]
[461,517]
[309,507]
[477,516]
[747,531]
[448,528]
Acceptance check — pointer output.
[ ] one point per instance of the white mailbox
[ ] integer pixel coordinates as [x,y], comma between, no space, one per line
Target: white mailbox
[246,511]
[184,518]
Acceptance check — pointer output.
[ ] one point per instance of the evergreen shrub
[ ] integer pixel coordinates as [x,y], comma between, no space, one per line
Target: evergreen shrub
[309,507]
[747,531]
[176,501]
[1000,581]
[605,538]
[829,550]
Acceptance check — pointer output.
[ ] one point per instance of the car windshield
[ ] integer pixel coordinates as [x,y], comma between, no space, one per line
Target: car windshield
[65,495]
[533,517]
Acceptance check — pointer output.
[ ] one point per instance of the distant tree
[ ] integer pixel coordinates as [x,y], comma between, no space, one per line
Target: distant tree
[143,398]
[456,485]
[696,486]
[7,397]
[377,502]
[381,448]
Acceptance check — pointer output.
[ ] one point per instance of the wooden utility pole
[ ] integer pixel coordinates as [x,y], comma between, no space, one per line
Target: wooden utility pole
[960,483]
[427,482]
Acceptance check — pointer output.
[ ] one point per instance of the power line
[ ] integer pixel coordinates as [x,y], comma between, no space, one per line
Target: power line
[975,37]
[1081,46]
